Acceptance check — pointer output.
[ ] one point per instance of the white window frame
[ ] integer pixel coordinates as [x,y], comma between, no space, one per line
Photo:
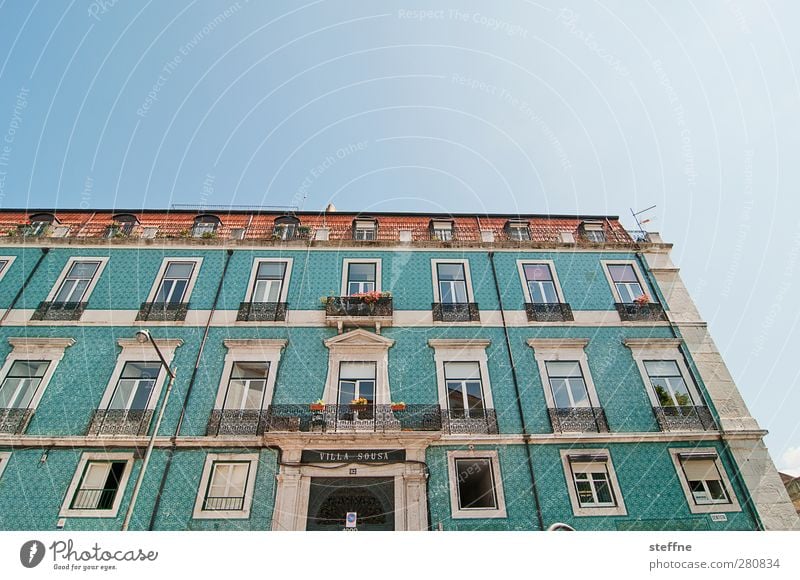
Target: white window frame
[267,350]
[524,281]
[472,513]
[613,285]
[360,225]
[40,349]
[562,350]
[287,274]
[435,277]
[601,510]
[134,351]
[85,298]
[704,453]
[358,345]
[5,457]
[517,226]
[346,268]
[450,228]
[461,350]
[8,260]
[76,480]
[661,349]
[162,270]
[199,513]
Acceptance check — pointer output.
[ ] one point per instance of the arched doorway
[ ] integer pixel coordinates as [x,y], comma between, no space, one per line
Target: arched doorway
[332,498]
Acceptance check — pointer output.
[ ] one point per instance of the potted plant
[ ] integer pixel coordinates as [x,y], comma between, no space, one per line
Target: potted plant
[318,405]
[359,403]
[398,406]
[643,299]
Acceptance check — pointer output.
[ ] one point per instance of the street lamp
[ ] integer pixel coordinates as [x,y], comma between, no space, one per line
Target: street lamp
[143,336]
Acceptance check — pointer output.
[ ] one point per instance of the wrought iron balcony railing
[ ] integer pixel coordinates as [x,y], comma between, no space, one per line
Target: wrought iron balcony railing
[14,421]
[125,422]
[163,311]
[223,503]
[484,421]
[59,311]
[357,306]
[684,418]
[93,499]
[262,311]
[455,312]
[578,420]
[553,312]
[649,311]
[238,422]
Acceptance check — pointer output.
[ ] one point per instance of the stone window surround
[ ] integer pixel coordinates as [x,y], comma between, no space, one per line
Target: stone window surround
[199,513]
[346,266]
[5,456]
[135,351]
[577,509]
[358,346]
[8,260]
[461,350]
[251,350]
[526,291]
[639,277]
[435,276]
[76,479]
[162,270]
[473,513]
[287,275]
[704,453]
[72,260]
[562,349]
[45,349]
[658,349]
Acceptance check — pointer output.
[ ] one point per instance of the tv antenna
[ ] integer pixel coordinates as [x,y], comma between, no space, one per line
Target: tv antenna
[641,234]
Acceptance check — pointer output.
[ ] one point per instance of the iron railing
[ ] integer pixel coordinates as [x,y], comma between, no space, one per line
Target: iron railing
[124,422]
[553,312]
[288,233]
[237,422]
[223,503]
[685,418]
[59,311]
[262,311]
[455,312]
[474,421]
[94,499]
[578,420]
[14,421]
[648,311]
[356,306]
[163,311]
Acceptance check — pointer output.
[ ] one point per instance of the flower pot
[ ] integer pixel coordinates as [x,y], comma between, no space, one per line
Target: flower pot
[398,407]
[316,407]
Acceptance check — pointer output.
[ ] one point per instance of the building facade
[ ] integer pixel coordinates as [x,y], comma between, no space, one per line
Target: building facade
[384,372]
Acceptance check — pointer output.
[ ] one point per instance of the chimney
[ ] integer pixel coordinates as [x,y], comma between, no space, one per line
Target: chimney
[330,208]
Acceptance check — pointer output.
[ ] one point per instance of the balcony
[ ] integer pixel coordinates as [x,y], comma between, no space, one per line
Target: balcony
[368,310]
[161,311]
[59,311]
[644,312]
[262,312]
[548,312]
[578,420]
[455,312]
[684,418]
[122,422]
[14,421]
[457,422]
[238,422]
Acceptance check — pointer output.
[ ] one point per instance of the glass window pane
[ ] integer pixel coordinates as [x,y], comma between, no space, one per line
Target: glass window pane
[475,484]
[622,273]
[267,291]
[83,270]
[451,271]
[716,490]
[28,369]
[141,398]
[141,370]
[179,270]
[366,390]
[602,489]
[560,393]
[255,395]
[347,392]
[250,370]
[357,370]
[455,399]
[662,368]
[538,272]
[361,272]
[462,370]
[564,369]
[474,396]
[273,270]
[235,395]
[580,397]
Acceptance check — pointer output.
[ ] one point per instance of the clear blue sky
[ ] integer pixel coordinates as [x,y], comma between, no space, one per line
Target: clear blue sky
[570,107]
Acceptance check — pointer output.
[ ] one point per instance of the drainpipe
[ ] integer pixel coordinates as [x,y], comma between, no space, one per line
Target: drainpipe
[24,285]
[725,447]
[192,379]
[525,434]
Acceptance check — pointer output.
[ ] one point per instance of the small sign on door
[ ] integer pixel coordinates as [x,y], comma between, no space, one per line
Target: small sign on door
[350,520]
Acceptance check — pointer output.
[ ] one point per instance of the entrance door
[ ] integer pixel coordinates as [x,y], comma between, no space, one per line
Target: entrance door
[332,498]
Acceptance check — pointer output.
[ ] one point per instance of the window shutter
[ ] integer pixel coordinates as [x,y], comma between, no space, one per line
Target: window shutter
[700,469]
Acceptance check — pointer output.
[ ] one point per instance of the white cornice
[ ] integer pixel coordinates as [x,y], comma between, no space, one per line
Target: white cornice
[261,344]
[165,343]
[652,342]
[551,343]
[35,342]
[457,343]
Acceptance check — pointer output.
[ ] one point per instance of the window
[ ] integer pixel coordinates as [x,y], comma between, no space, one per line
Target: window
[476,489]
[98,485]
[365,230]
[75,284]
[123,225]
[21,383]
[175,282]
[464,390]
[135,386]
[358,366]
[357,382]
[567,384]
[452,283]
[668,384]
[247,386]
[540,284]
[226,486]
[442,230]
[361,277]
[268,283]
[592,483]
[593,231]
[518,230]
[205,226]
[39,223]
[625,281]
[704,481]
[4,459]
[286,228]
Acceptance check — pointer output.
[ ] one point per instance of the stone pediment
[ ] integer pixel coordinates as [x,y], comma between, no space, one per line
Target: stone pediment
[359,338]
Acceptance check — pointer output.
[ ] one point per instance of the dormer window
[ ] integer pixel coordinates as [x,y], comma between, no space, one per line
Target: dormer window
[123,225]
[593,231]
[286,228]
[518,230]
[39,222]
[365,230]
[205,226]
[442,230]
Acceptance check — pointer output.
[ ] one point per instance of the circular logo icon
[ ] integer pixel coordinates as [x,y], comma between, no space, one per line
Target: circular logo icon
[31,553]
